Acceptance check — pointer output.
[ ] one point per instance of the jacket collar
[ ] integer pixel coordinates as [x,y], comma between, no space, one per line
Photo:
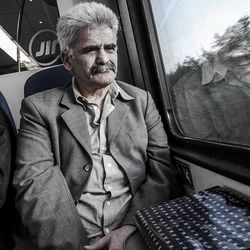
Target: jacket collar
[213,71]
[75,119]
[114,90]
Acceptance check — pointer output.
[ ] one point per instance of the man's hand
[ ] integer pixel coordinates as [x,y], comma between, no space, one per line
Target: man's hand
[114,240]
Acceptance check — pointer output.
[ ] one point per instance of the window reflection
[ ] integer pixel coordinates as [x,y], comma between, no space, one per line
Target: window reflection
[205,46]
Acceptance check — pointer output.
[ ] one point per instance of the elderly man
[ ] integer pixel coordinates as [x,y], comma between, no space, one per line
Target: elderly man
[93,152]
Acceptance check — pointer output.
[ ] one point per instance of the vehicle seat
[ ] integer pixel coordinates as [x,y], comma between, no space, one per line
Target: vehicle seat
[47,79]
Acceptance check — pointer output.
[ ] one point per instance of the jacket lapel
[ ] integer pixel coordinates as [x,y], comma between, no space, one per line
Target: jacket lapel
[116,120]
[76,120]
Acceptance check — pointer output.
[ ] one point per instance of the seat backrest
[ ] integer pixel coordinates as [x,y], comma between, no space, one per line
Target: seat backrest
[47,79]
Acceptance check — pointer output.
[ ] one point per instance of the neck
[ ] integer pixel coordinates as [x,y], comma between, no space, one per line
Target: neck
[94,95]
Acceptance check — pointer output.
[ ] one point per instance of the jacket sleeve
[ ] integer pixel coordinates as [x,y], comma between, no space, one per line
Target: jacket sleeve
[162,181]
[5,158]
[43,198]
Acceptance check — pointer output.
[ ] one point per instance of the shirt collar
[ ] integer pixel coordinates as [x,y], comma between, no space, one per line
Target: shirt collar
[213,71]
[114,91]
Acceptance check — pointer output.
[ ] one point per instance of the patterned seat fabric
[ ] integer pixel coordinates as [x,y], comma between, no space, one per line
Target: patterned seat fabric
[217,218]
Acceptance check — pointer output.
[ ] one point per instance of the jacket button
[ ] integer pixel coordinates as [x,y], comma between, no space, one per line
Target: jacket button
[87,167]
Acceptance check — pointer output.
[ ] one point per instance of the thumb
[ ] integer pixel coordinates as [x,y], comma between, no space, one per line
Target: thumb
[99,244]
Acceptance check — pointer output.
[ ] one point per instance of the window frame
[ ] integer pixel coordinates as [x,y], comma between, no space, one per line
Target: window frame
[228,159]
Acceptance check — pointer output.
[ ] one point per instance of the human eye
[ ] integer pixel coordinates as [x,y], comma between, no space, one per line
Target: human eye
[110,48]
[89,50]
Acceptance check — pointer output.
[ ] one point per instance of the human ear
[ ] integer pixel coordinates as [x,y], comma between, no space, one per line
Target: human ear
[66,61]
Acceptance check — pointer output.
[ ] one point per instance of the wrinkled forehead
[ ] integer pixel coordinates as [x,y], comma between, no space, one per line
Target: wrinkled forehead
[97,35]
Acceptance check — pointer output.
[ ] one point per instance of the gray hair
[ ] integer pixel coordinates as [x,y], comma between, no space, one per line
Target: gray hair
[81,16]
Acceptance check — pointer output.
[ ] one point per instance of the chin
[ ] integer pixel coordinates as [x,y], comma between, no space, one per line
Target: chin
[104,79]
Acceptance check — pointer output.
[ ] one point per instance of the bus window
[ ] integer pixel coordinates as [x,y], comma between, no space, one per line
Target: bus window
[27,35]
[205,47]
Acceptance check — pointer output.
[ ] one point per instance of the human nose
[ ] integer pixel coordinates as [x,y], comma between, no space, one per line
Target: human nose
[102,57]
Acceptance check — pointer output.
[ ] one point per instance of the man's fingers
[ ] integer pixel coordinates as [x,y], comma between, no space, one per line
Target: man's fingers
[99,244]
[87,247]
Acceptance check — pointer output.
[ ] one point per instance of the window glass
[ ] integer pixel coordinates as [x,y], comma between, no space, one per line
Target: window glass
[32,43]
[205,47]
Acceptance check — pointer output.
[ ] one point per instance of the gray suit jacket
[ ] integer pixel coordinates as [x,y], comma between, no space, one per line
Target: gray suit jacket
[54,161]
[5,157]
[7,211]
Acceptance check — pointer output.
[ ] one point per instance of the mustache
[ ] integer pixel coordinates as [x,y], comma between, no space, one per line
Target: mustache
[101,68]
